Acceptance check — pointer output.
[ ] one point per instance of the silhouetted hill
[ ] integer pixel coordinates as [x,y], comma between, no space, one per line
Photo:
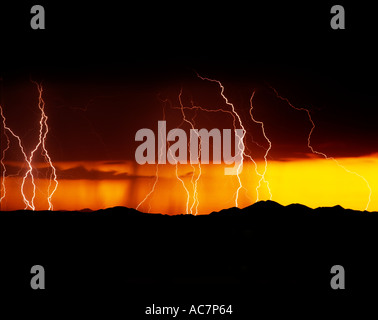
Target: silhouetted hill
[272,208]
[231,256]
[298,207]
[268,207]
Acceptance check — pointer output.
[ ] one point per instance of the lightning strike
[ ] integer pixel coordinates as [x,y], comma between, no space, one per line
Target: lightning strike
[182,108]
[7,129]
[160,158]
[3,190]
[182,182]
[43,131]
[194,182]
[262,178]
[44,118]
[241,145]
[321,153]
[156,170]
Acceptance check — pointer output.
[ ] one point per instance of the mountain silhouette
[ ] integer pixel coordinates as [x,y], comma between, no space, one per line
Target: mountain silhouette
[233,255]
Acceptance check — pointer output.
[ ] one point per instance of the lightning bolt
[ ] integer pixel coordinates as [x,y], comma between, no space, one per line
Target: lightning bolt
[181,180]
[187,209]
[241,145]
[3,190]
[6,130]
[321,153]
[262,176]
[182,108]
[43,131]
[156,170]
[194,182]
[193,209]
[194,107]
[43,124]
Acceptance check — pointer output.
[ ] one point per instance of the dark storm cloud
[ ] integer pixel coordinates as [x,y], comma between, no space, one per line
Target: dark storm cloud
[81,172]
[113,162]
[76,173]
[185,175]
[120,91]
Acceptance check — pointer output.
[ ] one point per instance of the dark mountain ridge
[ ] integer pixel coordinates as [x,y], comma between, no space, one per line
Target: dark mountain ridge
[234,256]
[268,206]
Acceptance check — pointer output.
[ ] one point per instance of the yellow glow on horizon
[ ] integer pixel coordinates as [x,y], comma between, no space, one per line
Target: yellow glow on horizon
[312,182]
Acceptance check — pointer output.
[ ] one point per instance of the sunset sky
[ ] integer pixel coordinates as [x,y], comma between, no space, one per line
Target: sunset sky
[104,82]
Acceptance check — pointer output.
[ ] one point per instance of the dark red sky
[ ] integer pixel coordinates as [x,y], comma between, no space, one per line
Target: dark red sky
[97,119]
[105,71]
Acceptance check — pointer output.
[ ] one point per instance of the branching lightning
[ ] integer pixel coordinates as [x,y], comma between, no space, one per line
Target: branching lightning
[6,130]
[182,108]
[3,190]
[262,177]
[195,203]
[241,144]
[321,153]
[187,209]
[191,205]
[156,171]
[193,209]
[43,131]
[182,182]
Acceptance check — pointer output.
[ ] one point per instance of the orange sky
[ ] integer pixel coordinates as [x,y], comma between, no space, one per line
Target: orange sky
[313,182]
